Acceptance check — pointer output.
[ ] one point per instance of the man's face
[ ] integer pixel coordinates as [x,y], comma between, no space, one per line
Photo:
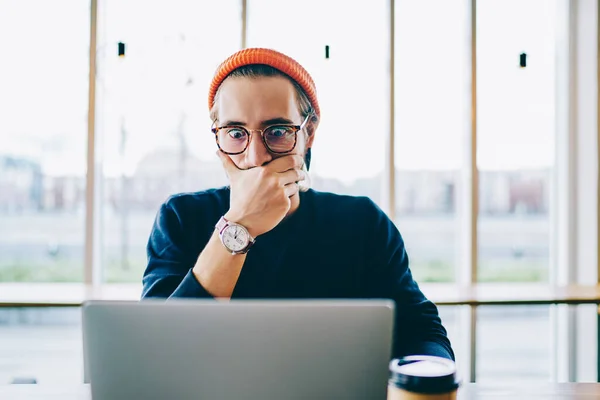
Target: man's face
[256,104]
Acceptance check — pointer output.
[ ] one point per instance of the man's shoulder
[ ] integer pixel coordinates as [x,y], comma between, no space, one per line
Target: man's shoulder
[214,198]
[342,204]
[350,215]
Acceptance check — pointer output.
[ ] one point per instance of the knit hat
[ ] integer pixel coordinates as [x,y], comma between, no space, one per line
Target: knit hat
[273,58]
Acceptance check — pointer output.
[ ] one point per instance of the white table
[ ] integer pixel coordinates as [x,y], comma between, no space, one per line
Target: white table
[470,391]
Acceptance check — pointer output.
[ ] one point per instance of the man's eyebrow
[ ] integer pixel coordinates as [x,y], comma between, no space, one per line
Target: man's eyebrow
[272,121]
[230,122]
[275,121]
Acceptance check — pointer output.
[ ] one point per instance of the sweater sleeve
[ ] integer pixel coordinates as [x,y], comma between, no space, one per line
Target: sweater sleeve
[169,270]
[418,327]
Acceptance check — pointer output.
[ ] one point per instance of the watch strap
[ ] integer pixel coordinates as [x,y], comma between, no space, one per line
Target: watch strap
[221,225]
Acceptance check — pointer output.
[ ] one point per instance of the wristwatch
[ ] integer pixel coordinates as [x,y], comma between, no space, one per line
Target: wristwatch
[235,237]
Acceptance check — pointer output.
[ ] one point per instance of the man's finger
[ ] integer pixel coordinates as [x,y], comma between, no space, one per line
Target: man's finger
[291,189]
[286,163]
[228,164]
[291,176]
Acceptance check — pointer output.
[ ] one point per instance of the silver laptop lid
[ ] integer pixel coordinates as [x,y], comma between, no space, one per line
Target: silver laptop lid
[206,349]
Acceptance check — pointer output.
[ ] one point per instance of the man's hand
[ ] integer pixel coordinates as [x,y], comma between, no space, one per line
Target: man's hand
[260,196]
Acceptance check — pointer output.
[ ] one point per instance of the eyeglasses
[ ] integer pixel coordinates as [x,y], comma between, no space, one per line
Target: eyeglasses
[278,139]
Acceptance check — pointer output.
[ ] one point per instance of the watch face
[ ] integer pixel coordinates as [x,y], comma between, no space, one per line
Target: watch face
[235,238]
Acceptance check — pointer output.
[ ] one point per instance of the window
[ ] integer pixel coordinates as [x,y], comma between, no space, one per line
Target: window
[516,84]
[516,130]
[352,82]
[43,131]
[514,343]
[44,344]
[153,118]
[451,317]
[429,127]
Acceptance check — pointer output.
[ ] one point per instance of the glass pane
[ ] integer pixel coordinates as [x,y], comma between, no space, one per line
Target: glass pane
[152,114]
[352,83]
[516,127]
[429,111]
[513,343]
[44,344]
[43,129]
[452,321]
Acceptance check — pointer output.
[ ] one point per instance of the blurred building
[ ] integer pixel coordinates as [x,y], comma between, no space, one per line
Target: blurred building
[165,172]
[64,193]
[160,174]
[20,185]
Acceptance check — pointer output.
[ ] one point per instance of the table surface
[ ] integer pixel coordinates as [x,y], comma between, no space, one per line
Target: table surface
[470,391]
[74,294]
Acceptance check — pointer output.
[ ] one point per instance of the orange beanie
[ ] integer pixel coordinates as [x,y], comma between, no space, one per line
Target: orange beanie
[273,58]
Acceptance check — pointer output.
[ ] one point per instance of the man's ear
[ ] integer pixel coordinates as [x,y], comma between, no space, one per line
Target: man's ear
[307,158]
[312,125]
[311,129]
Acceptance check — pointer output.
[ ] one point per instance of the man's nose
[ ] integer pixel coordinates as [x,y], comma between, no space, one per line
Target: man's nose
[257,154]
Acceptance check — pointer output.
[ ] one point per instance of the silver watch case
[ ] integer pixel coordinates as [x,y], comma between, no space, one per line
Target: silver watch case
[223,225]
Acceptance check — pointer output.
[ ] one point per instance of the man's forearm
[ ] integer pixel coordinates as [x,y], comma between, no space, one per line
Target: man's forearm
[216,269]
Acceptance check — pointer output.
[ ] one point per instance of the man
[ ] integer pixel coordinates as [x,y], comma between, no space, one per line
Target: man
[264,236]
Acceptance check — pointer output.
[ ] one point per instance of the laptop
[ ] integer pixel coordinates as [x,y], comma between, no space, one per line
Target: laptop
[242,349]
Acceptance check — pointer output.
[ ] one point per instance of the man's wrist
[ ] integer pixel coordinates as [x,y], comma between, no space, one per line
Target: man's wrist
[232,217]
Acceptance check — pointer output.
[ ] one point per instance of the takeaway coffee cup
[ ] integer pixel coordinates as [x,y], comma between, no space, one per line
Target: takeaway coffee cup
[422,378]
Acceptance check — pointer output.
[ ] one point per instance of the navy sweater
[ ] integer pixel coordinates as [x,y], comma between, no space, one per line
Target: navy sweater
[333,246]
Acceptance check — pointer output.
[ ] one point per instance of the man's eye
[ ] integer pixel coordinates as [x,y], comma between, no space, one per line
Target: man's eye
[279,132]
[236,133]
